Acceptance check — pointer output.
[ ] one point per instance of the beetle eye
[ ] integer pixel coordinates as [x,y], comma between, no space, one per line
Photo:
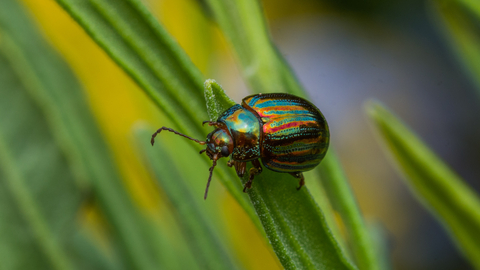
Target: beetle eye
[224,151]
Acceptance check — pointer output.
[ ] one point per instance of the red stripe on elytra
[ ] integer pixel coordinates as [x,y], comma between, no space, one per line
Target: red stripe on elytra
[269,129]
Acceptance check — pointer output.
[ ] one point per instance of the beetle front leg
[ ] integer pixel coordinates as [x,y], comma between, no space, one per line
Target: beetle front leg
[299,175]
[255,170]
[240,168]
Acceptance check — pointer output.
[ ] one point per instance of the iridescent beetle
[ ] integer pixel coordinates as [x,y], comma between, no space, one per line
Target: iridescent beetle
[289,134]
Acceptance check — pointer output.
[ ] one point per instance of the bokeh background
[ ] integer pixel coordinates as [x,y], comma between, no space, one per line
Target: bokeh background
[344,53]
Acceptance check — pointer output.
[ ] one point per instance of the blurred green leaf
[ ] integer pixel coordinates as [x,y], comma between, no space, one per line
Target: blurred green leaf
[88,255]
[383,250]
[39,197]
[461,25]
[139,44]
[33,225]
[472,5]
[294,224]
[439,188]
[52,85]
[243,23]
[340,194]
[171,250]
[204,242]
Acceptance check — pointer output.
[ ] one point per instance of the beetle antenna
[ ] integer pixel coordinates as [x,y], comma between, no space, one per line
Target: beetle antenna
[215,157]
[212,123]
[176,132]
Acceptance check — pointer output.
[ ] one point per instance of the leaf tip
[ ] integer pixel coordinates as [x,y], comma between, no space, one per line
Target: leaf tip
[209,82]
[216,99]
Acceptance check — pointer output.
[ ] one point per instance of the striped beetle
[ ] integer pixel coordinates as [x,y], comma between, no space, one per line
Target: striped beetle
[287,133]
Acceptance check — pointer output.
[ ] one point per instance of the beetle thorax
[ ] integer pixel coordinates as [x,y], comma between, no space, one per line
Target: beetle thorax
[219,142]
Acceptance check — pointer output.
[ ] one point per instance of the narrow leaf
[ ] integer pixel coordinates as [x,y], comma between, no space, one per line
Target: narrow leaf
[472,5]
[243,23]
[216,99]
[141,46]
[293,223]
[50,82]
[263,66]
[441,190]
[39,195]
[340,194]
[205,244]
[462,30]
[31,219]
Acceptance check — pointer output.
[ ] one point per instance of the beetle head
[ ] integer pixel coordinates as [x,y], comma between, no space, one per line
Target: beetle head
[219,144]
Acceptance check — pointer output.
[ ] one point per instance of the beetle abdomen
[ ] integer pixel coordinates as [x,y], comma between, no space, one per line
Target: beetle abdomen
[295,135]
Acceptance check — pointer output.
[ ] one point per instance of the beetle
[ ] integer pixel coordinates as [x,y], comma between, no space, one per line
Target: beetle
[287,133]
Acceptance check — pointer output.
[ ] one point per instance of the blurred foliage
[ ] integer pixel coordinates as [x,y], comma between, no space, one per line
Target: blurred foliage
[55,164]
[460,21]
[435,184]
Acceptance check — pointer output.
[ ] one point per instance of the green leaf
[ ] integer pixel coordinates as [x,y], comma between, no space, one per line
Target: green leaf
[216,99]
[39,194]
[383,250]
[140,46]
[52,85]
[32,222]
[472,5]
[266,70]
[39,197]
[340,194]
[294,224]
[243,23]
[441,190]
[87,255]
[172,251]
[461,27]
[205,244]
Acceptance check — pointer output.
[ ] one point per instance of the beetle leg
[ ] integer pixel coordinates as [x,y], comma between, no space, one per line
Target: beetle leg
[299,175]
[256,169]
[230,163]
[240,167]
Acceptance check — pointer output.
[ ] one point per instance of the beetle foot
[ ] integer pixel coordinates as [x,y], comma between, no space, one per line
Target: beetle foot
[301,183]
[255,170]
[248,185]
